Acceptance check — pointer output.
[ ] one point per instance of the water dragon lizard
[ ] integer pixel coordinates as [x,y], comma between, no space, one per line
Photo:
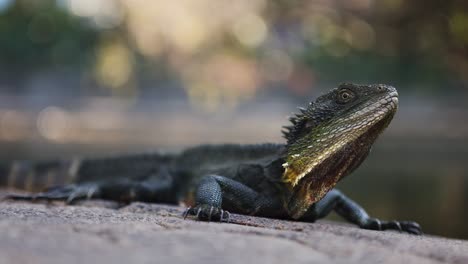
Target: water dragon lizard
[325,142]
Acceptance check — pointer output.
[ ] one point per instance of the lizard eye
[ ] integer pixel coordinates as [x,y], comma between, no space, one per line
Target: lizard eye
[345,96]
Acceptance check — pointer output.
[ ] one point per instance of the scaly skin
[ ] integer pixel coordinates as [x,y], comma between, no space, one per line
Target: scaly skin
[325,142]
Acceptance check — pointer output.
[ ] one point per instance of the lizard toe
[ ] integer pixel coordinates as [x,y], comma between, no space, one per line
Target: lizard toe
[80,192]
[205,212]
[411,227]
[401,226]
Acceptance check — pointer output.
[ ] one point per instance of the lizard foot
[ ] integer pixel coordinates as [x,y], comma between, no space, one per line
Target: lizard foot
[204,212]
[402,226]
[68,193]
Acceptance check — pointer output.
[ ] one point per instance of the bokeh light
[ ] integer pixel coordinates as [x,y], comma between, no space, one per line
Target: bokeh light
[92,76]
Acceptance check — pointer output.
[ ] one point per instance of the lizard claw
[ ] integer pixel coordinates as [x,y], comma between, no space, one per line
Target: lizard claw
[210,213]
[222,218]
[186,212]
[198,213]
[397,225]
[204,212]
[411,227]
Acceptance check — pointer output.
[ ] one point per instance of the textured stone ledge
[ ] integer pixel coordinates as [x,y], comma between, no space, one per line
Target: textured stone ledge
[99,232]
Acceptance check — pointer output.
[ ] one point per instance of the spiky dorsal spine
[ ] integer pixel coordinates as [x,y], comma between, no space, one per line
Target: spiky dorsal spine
[301,122]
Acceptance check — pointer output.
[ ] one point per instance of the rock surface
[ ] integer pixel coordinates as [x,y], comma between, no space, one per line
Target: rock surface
[98,232]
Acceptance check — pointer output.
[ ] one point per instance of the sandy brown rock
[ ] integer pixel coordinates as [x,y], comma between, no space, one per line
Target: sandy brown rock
[99,232]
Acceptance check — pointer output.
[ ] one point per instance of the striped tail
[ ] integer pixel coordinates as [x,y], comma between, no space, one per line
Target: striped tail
[36,176]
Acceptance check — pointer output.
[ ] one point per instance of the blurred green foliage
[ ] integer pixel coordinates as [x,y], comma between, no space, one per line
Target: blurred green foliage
[412,44]
[39,35]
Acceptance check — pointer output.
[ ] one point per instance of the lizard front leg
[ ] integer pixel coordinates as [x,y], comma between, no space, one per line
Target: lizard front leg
[216,192]
[352,212]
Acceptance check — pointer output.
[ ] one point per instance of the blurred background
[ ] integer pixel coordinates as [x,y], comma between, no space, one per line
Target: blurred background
[94,77]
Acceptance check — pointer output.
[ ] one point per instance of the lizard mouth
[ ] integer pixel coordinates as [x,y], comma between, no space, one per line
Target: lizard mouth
[373,111]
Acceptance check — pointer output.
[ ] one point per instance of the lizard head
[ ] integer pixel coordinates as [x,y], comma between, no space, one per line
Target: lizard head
[331,137]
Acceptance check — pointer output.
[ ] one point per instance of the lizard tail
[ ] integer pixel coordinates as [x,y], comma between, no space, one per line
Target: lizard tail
[36,176]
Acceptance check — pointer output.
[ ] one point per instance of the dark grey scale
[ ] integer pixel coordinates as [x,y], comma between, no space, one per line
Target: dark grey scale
[131,166]
[248,173]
